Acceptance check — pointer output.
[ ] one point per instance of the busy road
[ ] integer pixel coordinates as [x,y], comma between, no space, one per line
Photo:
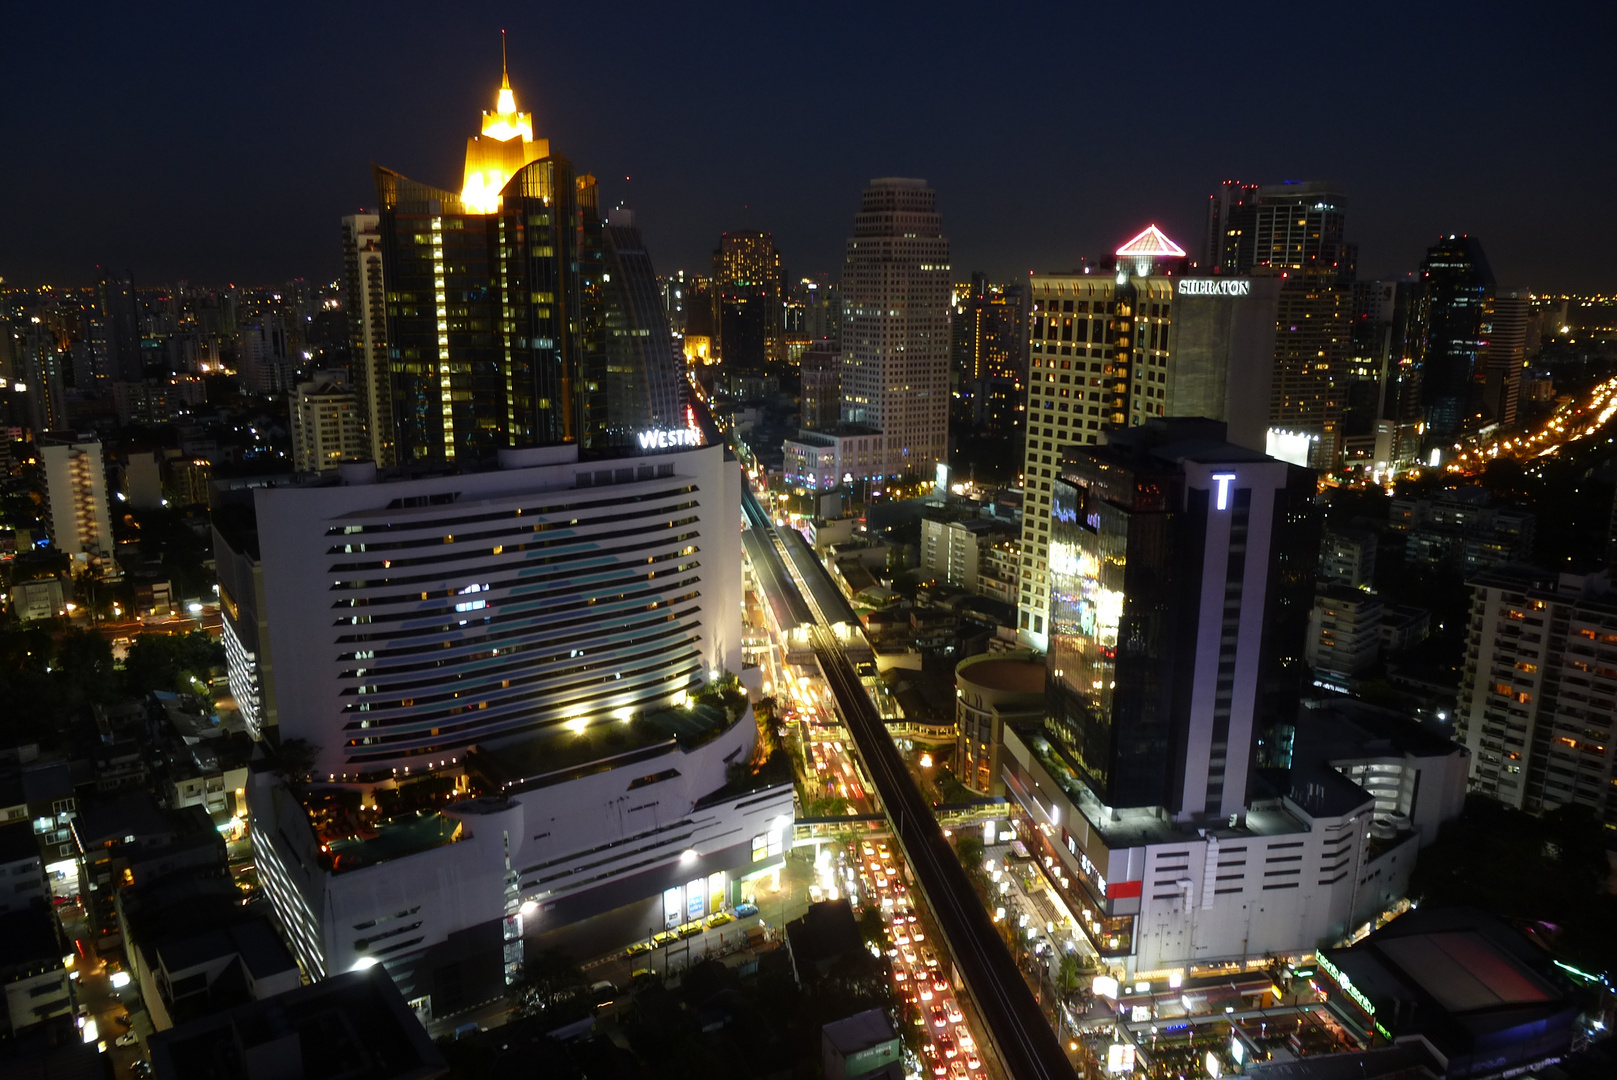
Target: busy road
[1024,1042]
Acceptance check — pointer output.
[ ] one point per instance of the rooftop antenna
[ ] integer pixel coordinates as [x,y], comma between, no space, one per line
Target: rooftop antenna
[505,71]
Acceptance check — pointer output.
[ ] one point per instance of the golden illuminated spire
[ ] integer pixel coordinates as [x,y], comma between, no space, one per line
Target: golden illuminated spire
[507,103]
[505,145]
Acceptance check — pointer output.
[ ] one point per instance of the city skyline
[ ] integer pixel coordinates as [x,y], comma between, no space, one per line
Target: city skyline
[708,160]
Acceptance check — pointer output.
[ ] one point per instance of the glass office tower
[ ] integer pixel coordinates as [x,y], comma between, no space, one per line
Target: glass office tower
[515,316]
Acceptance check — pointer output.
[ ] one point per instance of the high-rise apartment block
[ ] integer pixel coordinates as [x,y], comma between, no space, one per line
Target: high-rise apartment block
[365,299]
[1537,689]
[748,296]
[1347,556]
[895,331]
[328,423]
[1111,350]
[1458,283]
[76,498]
[264,356]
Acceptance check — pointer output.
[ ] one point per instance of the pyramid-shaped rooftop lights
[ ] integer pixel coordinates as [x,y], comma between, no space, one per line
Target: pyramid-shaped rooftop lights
[1151,244]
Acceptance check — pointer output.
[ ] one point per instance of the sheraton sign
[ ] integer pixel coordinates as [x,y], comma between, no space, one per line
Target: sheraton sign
[1215,287]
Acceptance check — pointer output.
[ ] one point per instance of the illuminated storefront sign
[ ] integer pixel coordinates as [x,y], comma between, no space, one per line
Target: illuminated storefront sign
[1215,287]
[1347,986]
[663,438]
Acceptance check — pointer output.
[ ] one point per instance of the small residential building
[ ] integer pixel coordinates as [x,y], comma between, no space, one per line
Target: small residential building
[22,868]
[959,551]
[863,1046]
[32,972]
[299,1035]
[193,950]
[1344,635]
[821,460]
[991,689]
[130,840]
[1347,556]
[39,599]
[1403,627]
[823,936]
[1465,528]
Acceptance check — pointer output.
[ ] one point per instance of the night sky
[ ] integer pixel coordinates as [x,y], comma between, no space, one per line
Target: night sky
[223,142]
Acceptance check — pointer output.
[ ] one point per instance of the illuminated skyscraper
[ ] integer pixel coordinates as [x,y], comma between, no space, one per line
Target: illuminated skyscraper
[1169,613]
[896,293]
[1120,347]
[1295,231]
[748,302]
[494,326]
[1458,286]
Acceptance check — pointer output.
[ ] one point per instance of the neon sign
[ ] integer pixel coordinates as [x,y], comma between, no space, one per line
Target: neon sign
[663,438]
[1215,287]
[1221,485]
[1346,984]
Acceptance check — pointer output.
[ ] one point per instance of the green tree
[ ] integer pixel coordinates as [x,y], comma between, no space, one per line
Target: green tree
[84,661]
[548,979]
[295,760]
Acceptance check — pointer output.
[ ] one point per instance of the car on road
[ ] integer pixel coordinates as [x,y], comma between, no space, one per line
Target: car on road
[140,1067]
[637,948]
[128,1038]
[929,957]
[908,954]
[963,1033]
[955,1015]
[745,910]
[957,1069]
[946,1044]
[938,1019]
[973,1061]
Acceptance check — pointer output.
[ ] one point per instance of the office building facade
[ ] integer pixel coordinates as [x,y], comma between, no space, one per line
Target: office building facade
[896,291]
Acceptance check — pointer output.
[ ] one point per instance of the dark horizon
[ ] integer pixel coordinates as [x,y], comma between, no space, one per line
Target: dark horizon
[225,147]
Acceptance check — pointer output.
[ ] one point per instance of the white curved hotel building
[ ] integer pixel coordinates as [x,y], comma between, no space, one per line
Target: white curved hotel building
[519,645]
